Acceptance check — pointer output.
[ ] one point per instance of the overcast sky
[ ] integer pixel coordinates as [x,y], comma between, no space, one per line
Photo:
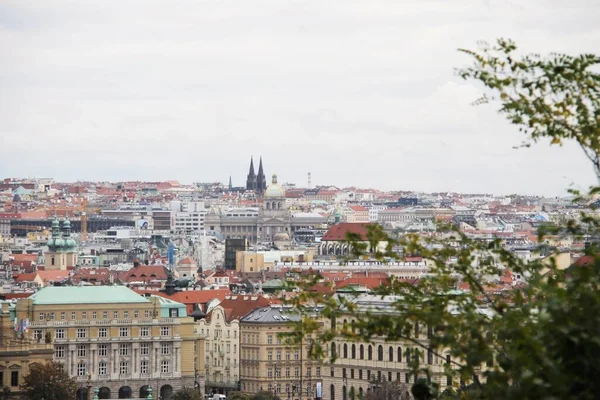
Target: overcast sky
[358,92]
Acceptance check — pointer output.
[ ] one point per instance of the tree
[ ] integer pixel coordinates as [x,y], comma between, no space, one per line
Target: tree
[238,396]
[49,382]
[386,390]
[187,394]
[540,340]
[265,395]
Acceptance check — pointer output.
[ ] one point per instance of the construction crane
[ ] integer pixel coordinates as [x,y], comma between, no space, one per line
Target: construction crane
[84,220]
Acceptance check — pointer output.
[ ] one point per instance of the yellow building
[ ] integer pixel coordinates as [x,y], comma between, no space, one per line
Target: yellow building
[268,364]
[121,341]
[360,367]
[18,353]
[255,261]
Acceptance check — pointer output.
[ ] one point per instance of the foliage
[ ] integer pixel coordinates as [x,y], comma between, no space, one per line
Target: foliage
[386,390]
[49,382]
[555,97]
[537,340]
[238,396]
[265,395]
[187,394]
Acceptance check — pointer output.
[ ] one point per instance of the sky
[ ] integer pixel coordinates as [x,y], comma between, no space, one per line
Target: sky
[357,92]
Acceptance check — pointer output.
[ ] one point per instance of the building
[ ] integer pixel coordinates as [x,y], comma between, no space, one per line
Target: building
[18,351]
[221,330]
[62,249]
[256,183]
[360,367]
[232,246]
[335,241]
[271,221]
[188,216]
[121,341]
[268,363]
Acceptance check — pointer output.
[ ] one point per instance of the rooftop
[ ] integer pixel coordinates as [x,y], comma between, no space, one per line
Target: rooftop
[86,295]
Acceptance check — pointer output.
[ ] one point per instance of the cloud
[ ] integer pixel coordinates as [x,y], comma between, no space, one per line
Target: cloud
[357,92]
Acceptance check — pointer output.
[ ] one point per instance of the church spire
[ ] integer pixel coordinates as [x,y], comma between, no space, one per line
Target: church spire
[230,185]
[251,180]
[261,182]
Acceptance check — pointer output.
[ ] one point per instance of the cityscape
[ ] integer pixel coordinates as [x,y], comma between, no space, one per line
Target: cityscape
[160,285]
[299,200]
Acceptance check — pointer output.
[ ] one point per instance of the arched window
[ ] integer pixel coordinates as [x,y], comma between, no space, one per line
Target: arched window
[352,393]
[124,392]
[332,392]
[370,352]
[417,330]
[345,350]
[333,353]
[344,393]
[399,355]
[407,355]
[391,354]
[360,393]
[353,351]
[353,324]
[362,352]
[380,353]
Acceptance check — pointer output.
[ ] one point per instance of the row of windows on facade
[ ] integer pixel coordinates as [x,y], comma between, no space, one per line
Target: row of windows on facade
[50,316]
[82,333]
[124,367]
[218,377]
[276,372]
[14,378]
[249,338]
[289,388]
[253,354]
[379,376]
[217,347]
[349,352]
[82,350]
[218,333]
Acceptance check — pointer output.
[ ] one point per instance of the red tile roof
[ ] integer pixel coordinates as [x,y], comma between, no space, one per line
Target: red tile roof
[24,257]
[191,297]
[25,277]
[236,306]
[338,232]
[145,273]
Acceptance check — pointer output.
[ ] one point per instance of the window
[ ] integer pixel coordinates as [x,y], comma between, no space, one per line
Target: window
[105,314]
[164,366]
[14,378]
[125,314]
[94,315]
[115,314]
[360,374]
[309,371]
[81,350]
[42,316]
[296,372]
[399,355]
[353,351]
[270,372]
[124,349]
[59,352]
[318,371]
[102,350]
[380,353]
[136,314]
[269,339]
[362,352]
[51,316]
[84,315]
[123,367]
[352,373]
[146,314]
[296,355]
[38,334]
[102,332]
[63,316]
[81,333]
[370,352]
[278,354]
[391,354]
[165,348]
[144,349]
[73,315]
[165,331]
[102,368]
[144,331]
[270,355]
[123,332]
[144,366]
[173,313]
[81,369]
[287,372]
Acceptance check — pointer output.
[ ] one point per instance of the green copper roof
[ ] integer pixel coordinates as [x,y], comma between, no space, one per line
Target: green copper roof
[166,305]
[86,295]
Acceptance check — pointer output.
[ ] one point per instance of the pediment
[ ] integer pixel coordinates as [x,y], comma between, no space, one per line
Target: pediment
[14,366]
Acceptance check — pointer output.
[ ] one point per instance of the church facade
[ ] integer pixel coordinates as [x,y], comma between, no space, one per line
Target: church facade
[256,182]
